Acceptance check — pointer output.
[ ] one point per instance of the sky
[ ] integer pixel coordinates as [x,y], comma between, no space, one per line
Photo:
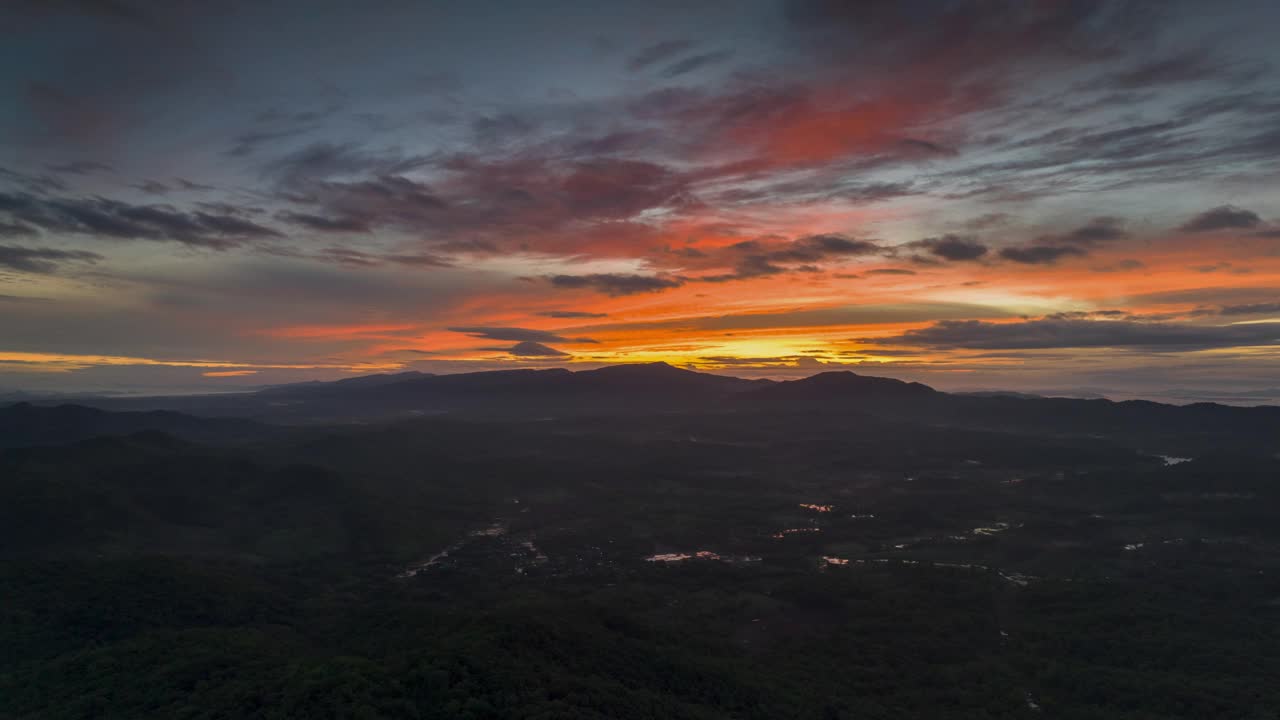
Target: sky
[1035,195]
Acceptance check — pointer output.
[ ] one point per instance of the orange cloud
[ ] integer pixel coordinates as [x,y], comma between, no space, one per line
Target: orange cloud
[334,332]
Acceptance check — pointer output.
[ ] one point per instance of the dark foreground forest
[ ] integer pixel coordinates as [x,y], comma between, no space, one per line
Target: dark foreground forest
[900,554]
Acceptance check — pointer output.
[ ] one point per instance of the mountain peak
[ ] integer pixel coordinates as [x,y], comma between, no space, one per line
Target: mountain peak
[840,386]
[656,373]
[652,368]
[832,375]
[848,378]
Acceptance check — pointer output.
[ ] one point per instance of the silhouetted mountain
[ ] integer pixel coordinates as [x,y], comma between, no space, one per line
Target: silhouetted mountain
[842,390]
[660,375]
[653,387]
[1136,421]
[24,424]
[345,385]
[661,388]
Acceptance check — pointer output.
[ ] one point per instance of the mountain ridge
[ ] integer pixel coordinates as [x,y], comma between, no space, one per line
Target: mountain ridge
[25,424]
[659,388]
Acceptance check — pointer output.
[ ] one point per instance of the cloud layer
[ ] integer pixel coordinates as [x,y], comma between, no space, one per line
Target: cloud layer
[939,190]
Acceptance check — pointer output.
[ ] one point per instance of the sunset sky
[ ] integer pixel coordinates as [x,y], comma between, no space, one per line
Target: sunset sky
[1017,194]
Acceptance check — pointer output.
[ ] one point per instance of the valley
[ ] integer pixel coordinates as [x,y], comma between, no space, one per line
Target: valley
[672,564]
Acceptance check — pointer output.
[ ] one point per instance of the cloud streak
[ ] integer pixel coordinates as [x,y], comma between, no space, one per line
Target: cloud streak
[100,217]
[42,260]
[515,334]
[616,284]
[1223,217]
[1056,333]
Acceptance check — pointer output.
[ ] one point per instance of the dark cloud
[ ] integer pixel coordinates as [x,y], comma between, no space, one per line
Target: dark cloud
[571,314]
[1099,230]
[865,314]
[501,128]
[1215,267]
[472,246]
[1223,217]
[246,144]
[874,192]
[1090,314]
[1105,157]
[110,218]
[362,205]
[38,184]
[987,221]
[324,160]
[41,260]
[529,348]
[1212,295]
[1188,66]
[544,196]
[890,271]
[1060,332]
[765,362]
[617,283]
[1185,67]
[357,258]
[1041,254]
[552,204]
[695,62]
[348,257]
[925,146]
[472,201]
[419,260]
[756,258]
[657,53]
[80,167]
[818,247]
[232,226]
[153,187]
[953,248]
[749,266]
[15,230]
[1120,266]
[515,334]
[326,224]
[188,185]
[615,142]
[964,39]
[691,253]
[1251,309]
[618,188]
[1049,249]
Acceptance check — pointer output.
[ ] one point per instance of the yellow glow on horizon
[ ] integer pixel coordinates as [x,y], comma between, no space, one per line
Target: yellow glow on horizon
[1263,321]
[229,373]
[1016,303]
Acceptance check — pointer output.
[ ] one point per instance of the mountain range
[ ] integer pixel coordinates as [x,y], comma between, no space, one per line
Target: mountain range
[655,389]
